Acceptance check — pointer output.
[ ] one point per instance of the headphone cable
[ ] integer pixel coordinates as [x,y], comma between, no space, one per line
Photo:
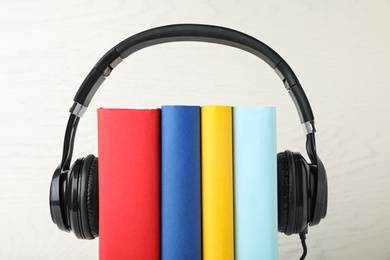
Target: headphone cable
[302,236]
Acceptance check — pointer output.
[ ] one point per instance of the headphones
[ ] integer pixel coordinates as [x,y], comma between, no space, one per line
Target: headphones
[302,186]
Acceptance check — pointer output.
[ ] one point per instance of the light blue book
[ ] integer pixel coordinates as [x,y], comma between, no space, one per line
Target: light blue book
[255,183]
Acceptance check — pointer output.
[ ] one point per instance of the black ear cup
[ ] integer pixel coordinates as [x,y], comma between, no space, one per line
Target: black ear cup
[93,198]
[293,201]
[83,198]
[58,205]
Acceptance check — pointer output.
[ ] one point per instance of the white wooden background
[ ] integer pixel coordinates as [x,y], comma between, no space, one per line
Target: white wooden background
[340,51]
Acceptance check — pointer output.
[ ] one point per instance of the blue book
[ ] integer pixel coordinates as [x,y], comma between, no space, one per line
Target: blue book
[181,230]
[255,183]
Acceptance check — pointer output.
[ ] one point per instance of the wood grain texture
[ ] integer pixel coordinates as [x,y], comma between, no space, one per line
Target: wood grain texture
[338,49]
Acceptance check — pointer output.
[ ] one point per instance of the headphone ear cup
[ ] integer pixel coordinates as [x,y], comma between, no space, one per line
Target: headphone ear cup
[82,203]
[93,198]
[293,202]
[89,197]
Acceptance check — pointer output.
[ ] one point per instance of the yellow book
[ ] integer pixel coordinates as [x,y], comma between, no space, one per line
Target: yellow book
[217,183]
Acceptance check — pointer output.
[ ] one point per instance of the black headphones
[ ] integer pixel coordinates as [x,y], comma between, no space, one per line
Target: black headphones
[302,187]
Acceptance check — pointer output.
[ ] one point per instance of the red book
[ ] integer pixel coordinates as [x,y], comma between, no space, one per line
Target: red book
[129,184]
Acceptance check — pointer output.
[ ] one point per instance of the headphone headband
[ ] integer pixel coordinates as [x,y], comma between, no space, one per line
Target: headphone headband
[201,33]
[175,33]
[315,172]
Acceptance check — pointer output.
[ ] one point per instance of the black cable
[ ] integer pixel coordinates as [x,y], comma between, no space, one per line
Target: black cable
[302,236]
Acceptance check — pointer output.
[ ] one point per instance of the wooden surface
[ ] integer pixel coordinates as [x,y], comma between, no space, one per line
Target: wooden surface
[338,49]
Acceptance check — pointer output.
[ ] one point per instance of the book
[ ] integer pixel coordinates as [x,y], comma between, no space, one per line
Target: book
[217,182]
[129,184]
[255,183]
[181,229]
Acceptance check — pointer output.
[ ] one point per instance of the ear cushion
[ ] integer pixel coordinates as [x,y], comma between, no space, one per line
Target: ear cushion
[89,197]
[283,191]
[93,198]
[292,192]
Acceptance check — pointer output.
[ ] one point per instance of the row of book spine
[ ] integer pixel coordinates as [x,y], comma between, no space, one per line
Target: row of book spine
[188,182]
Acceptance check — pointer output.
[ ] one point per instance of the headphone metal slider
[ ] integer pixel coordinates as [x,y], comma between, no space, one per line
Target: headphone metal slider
[309,127]
[77,109]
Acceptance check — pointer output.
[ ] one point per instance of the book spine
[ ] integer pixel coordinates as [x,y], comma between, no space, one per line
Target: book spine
[129,184]
[217,183]
[255,183]
[181,230]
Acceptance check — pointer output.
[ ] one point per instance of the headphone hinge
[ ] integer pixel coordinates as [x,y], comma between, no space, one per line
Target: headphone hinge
[286,74]
[111,66]
[108,62]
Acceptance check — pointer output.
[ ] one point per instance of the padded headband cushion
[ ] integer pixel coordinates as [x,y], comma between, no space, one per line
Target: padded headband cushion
[90,195]
[283,191]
